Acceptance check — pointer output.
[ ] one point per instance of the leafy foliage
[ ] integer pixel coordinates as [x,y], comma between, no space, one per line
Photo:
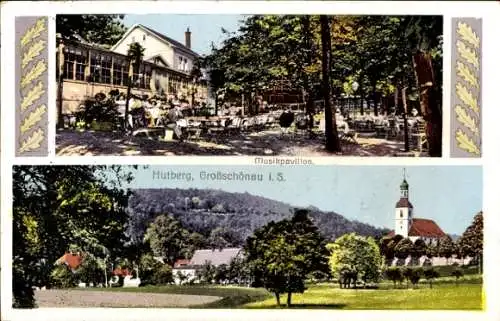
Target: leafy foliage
[282,254]
[167,238]
[96,29]
[357,254]
[471,241]
[56,208]
[242,214]
[394,274]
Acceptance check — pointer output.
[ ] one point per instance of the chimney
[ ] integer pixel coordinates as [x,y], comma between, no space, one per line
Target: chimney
[187,36]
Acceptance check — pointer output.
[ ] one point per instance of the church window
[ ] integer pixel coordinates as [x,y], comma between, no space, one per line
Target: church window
[143,37]
[401,213]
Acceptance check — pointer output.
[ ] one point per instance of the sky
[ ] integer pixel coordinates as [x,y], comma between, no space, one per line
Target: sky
[204,28]
[450,195]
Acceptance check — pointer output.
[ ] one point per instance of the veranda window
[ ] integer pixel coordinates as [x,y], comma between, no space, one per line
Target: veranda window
[69,64]
[95,68]
[118,68]
[106,69]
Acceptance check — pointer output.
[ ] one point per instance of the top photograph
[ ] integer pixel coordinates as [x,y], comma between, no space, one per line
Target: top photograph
[249,85]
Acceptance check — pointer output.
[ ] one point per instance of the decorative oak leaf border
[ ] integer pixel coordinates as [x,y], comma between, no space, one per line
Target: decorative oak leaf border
[467,111]
[32,87]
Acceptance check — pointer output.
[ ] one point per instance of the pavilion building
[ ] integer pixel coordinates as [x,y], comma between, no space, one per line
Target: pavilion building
[85,70]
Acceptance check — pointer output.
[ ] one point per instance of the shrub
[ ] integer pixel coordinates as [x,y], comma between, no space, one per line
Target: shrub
[457,273]
[416,275]
[149,270]
[62,277]
[163,275]
[430,274]
[394,274]
[99,109]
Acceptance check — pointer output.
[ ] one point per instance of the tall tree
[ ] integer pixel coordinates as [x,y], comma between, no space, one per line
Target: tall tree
[332,137]
[96,29]
[56,208]
[471,241]
[167,238]
[135,54]
[424,36]
[356,254]
[282,254]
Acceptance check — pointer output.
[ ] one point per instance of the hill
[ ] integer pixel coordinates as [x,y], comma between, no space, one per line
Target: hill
[205,210]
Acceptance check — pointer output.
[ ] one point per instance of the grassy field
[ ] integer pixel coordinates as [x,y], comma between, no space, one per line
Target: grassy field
[440,297]
[444,295]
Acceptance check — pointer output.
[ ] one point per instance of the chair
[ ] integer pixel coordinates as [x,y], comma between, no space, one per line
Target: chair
[234,125]
[419,136]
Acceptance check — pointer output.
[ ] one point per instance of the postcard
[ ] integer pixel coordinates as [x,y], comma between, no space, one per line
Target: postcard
[221,160]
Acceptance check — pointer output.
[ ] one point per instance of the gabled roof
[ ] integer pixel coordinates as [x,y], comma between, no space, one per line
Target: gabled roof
[425,228]
[121,272]
[159,57]
[73,261]
[422,227]
[160,36]
[216,257]
[404,202]
[181,262]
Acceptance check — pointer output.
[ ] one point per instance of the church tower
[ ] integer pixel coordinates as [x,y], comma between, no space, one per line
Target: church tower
[404,210]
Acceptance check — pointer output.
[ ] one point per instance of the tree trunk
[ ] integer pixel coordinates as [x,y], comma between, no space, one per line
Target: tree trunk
[429,106]
[217,103]
[277,296]
[306,23]
[332,138]
[362,107]
[289,299]
[405,119]
[129,87]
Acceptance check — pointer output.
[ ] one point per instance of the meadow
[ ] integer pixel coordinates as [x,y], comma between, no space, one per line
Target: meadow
[445,294]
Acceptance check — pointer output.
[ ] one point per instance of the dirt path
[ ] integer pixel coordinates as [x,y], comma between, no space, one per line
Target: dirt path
[264,143]
[83,298]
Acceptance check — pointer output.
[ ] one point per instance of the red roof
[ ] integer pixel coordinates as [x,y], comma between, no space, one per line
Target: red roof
[121,272]
[404,202]
[181,262]
[73,261]
[425,228]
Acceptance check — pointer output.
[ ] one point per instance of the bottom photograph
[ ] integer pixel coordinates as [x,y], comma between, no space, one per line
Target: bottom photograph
[247,237]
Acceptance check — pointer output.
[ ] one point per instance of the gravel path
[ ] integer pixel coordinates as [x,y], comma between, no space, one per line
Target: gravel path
[93,299]
[263,143]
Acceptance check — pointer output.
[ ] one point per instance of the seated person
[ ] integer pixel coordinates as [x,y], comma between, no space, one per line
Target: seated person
[173,116]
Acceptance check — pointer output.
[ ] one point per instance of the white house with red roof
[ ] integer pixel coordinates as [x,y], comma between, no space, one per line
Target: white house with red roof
[406,225]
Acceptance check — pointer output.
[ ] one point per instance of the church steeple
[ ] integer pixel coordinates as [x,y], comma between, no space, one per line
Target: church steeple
[404,209]
[404,187]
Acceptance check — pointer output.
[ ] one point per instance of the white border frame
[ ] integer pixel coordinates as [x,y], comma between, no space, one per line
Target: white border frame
[491,157]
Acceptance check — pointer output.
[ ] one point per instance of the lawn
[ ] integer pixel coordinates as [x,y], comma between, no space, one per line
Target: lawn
[444,295]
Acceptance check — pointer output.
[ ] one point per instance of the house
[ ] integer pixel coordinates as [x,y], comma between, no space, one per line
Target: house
[71,260]
[85,70]
[159,48]
[191,268]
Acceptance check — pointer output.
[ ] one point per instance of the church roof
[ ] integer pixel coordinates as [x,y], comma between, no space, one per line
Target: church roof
[404,202]
[425,228]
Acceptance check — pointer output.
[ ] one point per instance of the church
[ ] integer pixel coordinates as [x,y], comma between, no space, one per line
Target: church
[408,226]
